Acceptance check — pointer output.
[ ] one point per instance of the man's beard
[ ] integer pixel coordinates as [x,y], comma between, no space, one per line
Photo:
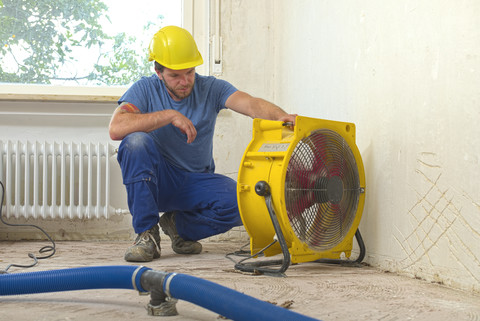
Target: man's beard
[178,93]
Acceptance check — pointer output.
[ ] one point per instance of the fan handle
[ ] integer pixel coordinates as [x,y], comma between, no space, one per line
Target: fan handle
[263,189]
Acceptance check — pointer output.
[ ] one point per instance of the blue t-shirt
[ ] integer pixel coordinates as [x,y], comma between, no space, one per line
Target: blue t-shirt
[202,106]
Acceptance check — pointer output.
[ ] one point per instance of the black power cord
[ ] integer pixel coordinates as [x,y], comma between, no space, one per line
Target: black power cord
[45,249]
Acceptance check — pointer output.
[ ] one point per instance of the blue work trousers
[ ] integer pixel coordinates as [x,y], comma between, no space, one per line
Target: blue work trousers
[206,203]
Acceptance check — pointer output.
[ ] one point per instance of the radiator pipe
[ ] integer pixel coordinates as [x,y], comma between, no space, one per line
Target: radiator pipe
[164,289]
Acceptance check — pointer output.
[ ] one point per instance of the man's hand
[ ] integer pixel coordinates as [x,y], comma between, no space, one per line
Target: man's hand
[185,125]
[290,118]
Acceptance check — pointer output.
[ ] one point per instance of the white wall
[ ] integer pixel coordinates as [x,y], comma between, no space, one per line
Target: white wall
[408,74]
[248,65]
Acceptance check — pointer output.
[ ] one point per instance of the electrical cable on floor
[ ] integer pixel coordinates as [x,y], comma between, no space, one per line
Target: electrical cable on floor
[247,254]
[240,253]
[45,249]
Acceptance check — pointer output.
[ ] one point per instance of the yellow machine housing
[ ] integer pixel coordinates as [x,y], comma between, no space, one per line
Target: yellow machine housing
[266,159]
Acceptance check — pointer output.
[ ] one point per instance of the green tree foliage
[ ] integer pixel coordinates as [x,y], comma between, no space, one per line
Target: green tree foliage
[40,41]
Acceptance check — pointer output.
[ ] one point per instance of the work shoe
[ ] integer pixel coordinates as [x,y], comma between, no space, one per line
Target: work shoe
[179,245]
[146,246]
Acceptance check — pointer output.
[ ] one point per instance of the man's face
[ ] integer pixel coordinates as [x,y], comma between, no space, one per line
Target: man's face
[179,83]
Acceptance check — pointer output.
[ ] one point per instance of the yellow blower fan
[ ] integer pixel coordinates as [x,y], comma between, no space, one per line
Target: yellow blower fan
[301,192]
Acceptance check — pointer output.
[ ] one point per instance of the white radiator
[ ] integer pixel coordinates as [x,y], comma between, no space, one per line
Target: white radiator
[56,180]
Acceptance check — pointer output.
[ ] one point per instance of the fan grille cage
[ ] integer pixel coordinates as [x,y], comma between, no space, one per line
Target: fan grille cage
[322,189]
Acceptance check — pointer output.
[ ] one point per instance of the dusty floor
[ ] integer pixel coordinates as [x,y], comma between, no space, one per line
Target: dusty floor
[323,291]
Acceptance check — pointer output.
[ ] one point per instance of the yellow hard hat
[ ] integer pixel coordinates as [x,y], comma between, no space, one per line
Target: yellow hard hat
[174,48]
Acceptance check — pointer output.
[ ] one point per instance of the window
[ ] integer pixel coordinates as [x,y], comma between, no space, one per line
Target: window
[36,72]
[192,15]
[80,42]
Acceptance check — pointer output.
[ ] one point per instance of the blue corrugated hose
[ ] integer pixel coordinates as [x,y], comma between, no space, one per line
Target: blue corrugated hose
[99,277]
[224,301]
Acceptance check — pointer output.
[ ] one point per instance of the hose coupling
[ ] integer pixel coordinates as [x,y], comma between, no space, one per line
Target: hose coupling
[161,303]
[164,309]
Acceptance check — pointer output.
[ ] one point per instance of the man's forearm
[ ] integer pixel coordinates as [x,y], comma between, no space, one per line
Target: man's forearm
[245,104]
[124,123]
[267,110]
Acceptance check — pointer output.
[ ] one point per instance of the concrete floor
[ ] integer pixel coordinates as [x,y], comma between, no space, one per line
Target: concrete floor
[323,291]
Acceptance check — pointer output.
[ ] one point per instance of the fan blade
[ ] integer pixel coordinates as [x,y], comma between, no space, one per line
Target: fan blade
[299,202]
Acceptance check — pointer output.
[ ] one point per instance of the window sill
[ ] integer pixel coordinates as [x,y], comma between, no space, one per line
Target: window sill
[60,93]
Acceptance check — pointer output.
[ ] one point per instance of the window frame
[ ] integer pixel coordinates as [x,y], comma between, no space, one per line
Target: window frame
[195,19]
